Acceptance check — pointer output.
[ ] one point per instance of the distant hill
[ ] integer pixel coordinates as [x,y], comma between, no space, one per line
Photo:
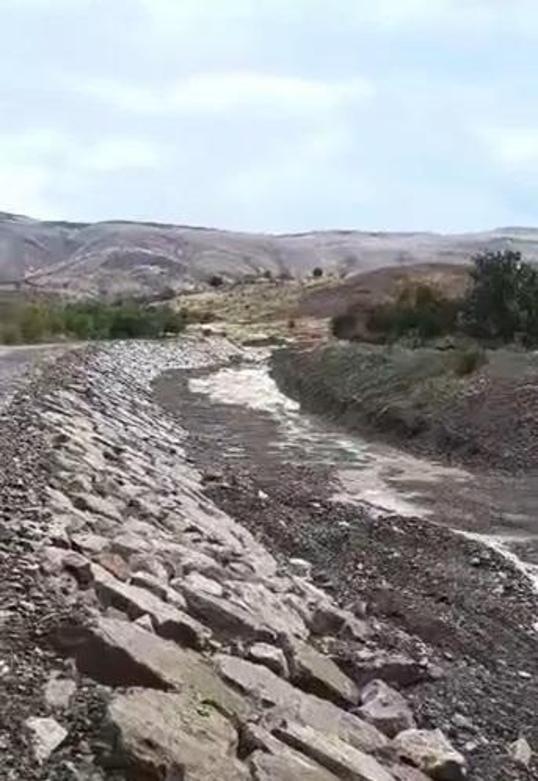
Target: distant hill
[110,258]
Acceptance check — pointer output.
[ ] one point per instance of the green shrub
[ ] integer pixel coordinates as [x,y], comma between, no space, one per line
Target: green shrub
[469,360]
[38,321]
[419,311]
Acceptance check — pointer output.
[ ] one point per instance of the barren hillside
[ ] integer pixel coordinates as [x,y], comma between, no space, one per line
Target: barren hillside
[119,257]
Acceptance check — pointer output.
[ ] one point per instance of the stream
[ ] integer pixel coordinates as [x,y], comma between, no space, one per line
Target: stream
[501,510]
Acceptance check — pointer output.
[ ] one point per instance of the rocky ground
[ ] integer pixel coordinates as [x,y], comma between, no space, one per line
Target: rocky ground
[168,616]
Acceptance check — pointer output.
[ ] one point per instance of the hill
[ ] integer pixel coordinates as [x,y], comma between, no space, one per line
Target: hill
[110,258]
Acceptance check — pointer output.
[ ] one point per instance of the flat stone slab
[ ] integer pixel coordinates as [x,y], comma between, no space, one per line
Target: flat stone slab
[160,735]
[268,690]
[319,675]
[334,754]
[169,622]
[120,653]
[431,752]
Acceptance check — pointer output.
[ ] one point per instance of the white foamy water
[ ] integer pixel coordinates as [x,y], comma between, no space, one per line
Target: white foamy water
[366,472]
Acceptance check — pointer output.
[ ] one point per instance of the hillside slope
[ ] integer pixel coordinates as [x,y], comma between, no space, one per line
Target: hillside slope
[119,257]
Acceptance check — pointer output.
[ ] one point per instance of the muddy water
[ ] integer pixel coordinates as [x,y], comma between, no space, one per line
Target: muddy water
[502,510]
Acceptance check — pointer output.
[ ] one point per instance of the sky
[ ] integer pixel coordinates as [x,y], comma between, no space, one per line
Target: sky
[271,115]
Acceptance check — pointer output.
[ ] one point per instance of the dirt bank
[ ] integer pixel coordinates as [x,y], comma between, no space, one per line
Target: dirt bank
[418,399]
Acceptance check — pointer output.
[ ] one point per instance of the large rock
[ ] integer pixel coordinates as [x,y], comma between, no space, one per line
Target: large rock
[365,665]
[331,752]
[271,767]
[177,736]
[385,708]
[94,503]
[268,690]
[521,752]
[249,610]
[46,736]
[169,622]
[319,675]
[270,656]
[430,751]
[119,653]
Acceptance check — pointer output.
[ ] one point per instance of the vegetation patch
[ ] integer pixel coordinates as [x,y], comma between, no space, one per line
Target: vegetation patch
[24,320]
[499,307]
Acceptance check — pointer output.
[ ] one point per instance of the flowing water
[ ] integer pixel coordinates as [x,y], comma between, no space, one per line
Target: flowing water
[501,510]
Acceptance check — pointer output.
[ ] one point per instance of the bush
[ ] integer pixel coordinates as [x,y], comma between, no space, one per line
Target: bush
[344,326]
[469,360]
[38,321]
[215,281]
[317,272]
[420,311]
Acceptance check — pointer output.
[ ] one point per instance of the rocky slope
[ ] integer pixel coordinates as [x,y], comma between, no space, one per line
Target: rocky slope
[118,257]
[149,635]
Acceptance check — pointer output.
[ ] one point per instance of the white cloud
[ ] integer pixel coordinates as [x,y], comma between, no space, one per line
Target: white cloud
[226,91]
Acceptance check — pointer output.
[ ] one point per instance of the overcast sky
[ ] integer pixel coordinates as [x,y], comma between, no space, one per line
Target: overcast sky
[273,115]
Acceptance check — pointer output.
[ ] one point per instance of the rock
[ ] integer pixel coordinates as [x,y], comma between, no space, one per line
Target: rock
[319,675]
[198,582]
[169,622]
[59,691]
[129,543]
[462,722]
[272,767]
[119,653]
[385,708]
[521,752]
[339,757]
[97,504]
[90,544]
[150,583]
[46,736]
[173,736]
[54,560]
[268,690]
[143,562]
[366,665]
[329,619]
[113,563]
[145,622]
[300,568]
[226,617]
[407,773]
[270,656]
[430,751]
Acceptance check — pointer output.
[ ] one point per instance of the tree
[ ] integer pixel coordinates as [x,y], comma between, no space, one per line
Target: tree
[317,272]
[503,299]
[216,281]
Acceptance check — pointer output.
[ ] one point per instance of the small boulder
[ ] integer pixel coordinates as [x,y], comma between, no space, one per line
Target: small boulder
[59,691]
[114,563]
[270,656]
[318,674]
[300,567]
[521,752]
[430,751]
[46,736]
[385,708]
